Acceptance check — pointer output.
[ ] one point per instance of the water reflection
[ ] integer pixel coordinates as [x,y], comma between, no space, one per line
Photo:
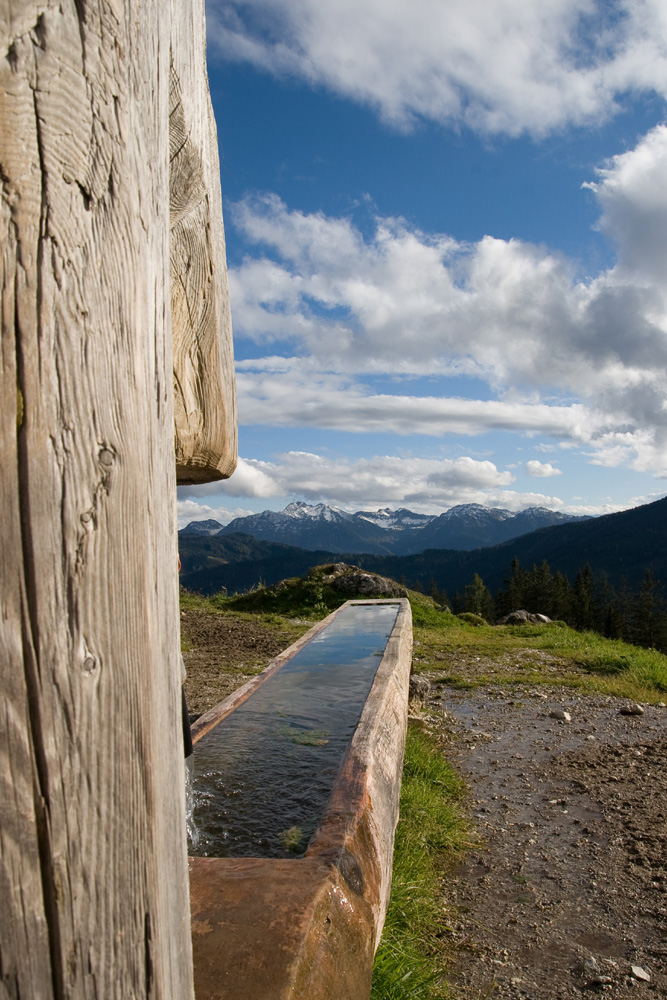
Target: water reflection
[263,776]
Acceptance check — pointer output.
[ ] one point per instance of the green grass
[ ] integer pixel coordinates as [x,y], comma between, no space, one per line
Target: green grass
[306,597]
[447,643]
[534,654]
[410,962]
[292,627]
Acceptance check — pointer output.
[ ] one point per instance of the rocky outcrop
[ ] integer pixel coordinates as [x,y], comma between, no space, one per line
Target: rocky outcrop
[367,585]
[523,618]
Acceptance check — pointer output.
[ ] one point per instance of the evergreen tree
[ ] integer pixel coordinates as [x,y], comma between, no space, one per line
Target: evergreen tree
[438,595]
[478,599]
[561,598]
[582,605]
[649,621]
[604,606]
[539,586]
[513,597]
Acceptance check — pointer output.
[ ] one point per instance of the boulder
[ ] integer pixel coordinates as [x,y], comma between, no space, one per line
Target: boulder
[366,584]
[523,618]
[331,572]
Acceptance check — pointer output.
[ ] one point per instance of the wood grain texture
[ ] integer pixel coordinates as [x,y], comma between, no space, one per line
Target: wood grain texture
[204,389]
[93,868]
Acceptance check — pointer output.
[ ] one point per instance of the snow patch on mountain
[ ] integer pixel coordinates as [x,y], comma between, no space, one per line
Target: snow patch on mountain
[207,527]
[385,531]
[394,519]
[320,511]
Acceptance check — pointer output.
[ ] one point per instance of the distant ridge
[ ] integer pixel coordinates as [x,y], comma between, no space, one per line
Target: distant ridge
[385,531]
[622,545]
[209,527]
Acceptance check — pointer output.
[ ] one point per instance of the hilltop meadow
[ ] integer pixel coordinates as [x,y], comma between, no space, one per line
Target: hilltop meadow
[509,670]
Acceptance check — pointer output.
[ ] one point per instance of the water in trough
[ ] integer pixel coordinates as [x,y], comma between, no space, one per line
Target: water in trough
[263,775]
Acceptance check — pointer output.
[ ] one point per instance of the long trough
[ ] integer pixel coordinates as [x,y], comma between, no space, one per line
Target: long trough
[306,928]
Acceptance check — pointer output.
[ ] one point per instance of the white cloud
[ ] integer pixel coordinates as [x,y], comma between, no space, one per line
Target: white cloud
[506,66]
[633,196]
[250,479]
[542,469]
[583,359]
[426,485]
[301,396]
[423,484]
[191,510]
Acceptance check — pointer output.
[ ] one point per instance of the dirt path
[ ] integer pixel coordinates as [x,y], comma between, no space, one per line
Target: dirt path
[222,652]
[567,891]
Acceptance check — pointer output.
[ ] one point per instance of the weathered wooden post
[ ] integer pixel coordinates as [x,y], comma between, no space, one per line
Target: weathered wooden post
[93,868]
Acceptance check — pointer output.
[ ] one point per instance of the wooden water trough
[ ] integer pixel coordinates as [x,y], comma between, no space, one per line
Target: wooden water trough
[307,928]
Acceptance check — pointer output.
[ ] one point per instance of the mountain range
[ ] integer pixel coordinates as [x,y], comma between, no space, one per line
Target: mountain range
[622,546]
[385,531]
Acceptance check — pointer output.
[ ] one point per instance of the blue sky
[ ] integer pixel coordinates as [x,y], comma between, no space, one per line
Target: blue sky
[447,245]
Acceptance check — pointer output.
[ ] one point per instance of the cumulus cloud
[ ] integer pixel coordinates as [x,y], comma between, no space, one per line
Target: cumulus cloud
[542,469]
[578,358]
[429,485]
[633,195]
[510,66]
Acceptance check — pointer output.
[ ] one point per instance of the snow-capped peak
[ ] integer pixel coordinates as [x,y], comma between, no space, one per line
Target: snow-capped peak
[320,511]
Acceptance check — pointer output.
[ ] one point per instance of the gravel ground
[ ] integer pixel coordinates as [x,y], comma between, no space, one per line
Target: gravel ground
[567,892]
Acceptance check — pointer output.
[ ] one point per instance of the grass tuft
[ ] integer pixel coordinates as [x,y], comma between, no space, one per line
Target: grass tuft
[432,831]
[536,654]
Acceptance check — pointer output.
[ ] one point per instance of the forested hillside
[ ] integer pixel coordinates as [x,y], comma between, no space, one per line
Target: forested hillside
[622,546]
[606,573]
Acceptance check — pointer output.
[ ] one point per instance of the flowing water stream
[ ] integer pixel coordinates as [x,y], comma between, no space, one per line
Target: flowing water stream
[262,776]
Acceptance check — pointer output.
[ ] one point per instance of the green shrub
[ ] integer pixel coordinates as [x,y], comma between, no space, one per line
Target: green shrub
[471,618]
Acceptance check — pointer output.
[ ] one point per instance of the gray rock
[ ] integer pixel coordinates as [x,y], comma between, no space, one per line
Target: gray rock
[367,584]
[633,709]
[523,618]
[561,715]
[419,687]
[637,972]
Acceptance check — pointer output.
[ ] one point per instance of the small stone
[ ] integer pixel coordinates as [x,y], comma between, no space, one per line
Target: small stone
[561,715]
[637,972]
[633,709]
[419,686]
[590,965]
[661,704]
[601,981]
